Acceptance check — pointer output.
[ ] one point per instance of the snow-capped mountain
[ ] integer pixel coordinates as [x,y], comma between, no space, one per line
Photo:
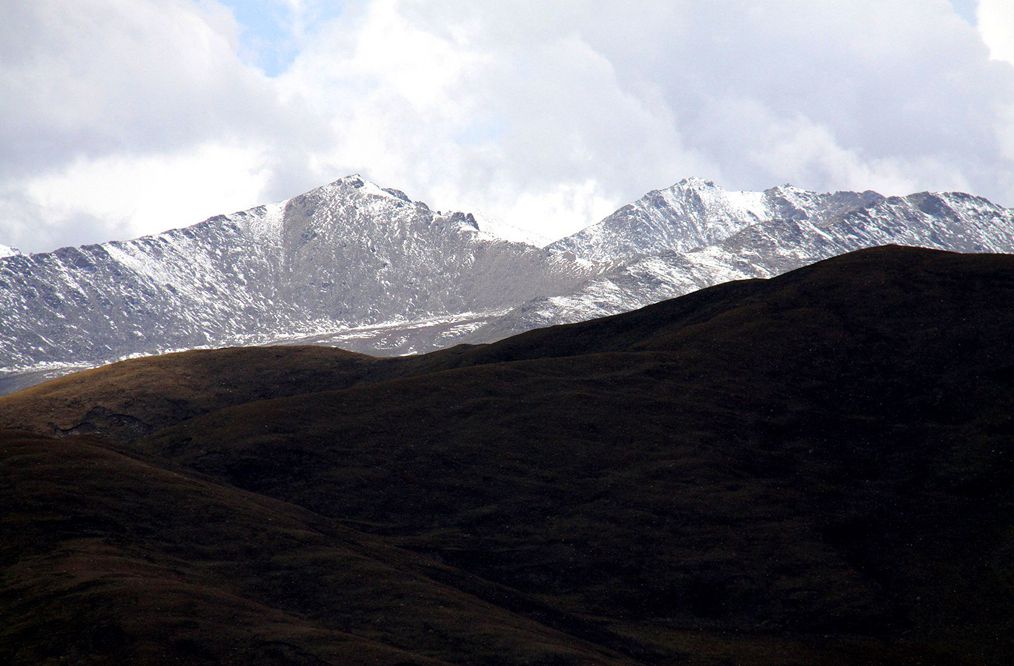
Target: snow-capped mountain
[369,269]
[346,255]
[693,213]
[776,231]
[8,251]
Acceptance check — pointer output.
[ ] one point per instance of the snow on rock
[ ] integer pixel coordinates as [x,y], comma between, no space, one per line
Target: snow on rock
[745,235]
[345,255]
[497,228]
[692,213]
[367,268]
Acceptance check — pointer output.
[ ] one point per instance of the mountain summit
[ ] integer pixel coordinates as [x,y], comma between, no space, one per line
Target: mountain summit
[694,213]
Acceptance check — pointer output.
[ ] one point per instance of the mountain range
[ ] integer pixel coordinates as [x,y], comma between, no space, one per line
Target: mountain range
[810,469]
[368,269]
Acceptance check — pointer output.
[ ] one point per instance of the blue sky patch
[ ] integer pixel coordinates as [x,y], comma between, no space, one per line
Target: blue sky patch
[267,35]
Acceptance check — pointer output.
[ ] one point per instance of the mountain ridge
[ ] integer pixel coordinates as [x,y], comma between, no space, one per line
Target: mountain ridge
[948,221]
[346,254]
[364,267]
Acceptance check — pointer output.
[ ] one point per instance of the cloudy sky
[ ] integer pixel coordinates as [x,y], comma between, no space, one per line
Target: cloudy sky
[125,117]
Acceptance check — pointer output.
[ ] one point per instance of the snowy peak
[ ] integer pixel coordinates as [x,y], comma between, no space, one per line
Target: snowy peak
[704,198]
[356,186]
[944,220]
[951,204]
[6,251]
[349,254]
[696,213]
[651,243]
[690,213]
[335,221]
[350,206]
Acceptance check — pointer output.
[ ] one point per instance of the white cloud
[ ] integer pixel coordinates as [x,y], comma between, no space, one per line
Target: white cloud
[549,211]
[132,196]
[97,77]
[542,115]
[995,19]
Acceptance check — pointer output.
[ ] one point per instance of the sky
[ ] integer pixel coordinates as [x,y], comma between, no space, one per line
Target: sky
[120,118]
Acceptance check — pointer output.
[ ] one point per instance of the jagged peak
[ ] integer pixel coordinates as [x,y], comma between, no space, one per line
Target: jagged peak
[694,183]
[398,194]
[953,196]
[937,203]
[788,188]
[364,186]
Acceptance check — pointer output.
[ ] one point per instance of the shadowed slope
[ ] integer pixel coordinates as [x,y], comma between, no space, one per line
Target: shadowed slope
[128,399]
[811,468]
[157,566]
